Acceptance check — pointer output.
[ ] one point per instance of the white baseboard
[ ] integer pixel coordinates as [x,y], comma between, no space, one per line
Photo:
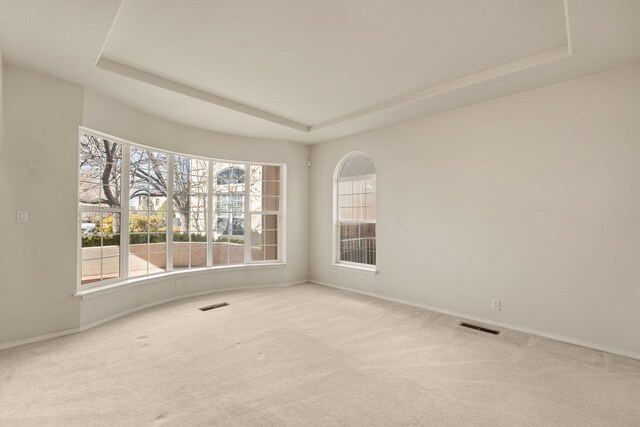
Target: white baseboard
[98,322]
[526,330]
[31,340]
[95,323]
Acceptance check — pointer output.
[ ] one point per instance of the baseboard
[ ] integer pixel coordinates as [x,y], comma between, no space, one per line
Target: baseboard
[95,323]
[526,330]
[99,322]
[31,340]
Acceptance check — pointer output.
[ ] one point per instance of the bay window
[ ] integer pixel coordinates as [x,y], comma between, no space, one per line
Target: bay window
[179,212]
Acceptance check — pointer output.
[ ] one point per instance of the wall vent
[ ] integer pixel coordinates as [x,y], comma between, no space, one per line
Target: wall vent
[479,328]
[211,307]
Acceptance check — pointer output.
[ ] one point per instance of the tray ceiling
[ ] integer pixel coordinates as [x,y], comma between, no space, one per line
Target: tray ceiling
[314,70]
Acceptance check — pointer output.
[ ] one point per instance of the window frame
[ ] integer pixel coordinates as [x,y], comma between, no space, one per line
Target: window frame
[124,278]
[82,209]
[335,258]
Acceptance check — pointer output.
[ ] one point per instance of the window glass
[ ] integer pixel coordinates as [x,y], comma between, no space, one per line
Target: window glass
[148,185]
[190,191]
[356,210]
[229,214]
[265,206]
[143,211]
[99,196]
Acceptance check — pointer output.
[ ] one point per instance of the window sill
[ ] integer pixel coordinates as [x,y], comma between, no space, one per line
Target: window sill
[356,269]
[132,283]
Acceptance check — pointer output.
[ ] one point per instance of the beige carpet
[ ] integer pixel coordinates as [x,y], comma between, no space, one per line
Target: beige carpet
[310,355]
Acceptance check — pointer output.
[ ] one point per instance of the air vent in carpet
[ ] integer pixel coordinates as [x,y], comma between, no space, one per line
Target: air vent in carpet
[211,307]
[479,328]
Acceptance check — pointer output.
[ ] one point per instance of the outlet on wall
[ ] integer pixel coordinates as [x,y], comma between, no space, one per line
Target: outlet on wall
[178,283]
[495,304]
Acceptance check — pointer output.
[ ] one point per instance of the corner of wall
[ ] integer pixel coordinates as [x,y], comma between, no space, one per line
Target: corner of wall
[41,116]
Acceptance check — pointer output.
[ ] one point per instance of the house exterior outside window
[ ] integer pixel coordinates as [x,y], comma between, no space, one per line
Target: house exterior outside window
[355,211]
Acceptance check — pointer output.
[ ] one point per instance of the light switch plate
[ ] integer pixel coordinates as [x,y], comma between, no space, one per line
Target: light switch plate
[22,217]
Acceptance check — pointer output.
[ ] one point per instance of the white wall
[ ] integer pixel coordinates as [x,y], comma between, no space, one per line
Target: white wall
[38,172]
[533,199]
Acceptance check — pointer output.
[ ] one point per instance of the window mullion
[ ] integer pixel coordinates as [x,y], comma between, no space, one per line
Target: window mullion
[247,214]
[336,223]
[124,214]
[170,215]
[282,208]
[209,213]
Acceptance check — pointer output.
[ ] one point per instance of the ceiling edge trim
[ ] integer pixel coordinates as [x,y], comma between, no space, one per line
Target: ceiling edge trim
[522,64]
[420,95]
[568,27]
[471,79]
[106,39]
[173,86]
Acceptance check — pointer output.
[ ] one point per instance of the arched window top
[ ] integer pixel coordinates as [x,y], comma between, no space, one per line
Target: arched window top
[231,175]
[357,164]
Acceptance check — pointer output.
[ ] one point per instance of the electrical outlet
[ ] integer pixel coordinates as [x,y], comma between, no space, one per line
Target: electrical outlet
[178,283]
[495,304]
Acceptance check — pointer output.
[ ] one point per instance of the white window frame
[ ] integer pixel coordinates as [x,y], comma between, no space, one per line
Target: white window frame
[124,149]
[248,213]
[336,261]
[124,279]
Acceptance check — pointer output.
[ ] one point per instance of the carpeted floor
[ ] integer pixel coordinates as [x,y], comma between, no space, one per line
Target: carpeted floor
[310,355]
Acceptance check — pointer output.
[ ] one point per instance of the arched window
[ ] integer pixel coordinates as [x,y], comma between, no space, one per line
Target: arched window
[355,210]
[231,175]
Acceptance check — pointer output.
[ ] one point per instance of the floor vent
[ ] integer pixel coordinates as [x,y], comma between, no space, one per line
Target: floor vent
[211,307]
[479,328]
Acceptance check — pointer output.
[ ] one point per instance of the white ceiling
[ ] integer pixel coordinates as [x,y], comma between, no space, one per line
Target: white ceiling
[314,70]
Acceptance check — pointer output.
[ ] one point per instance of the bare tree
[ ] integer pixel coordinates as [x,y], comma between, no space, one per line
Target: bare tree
[148,173]
[101,161]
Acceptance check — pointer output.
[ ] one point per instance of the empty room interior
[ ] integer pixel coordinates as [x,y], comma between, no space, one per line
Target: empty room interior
[193,232]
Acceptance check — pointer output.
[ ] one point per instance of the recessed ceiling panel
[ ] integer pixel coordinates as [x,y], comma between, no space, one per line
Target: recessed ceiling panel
[315,61]
[314,70]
